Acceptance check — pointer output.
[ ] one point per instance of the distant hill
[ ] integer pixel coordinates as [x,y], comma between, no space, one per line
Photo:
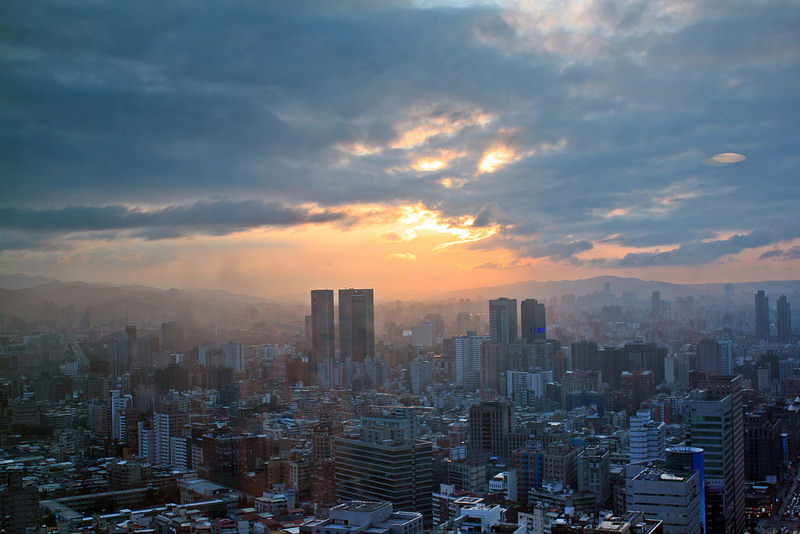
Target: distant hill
[618,285]
[107,303]
[23,281]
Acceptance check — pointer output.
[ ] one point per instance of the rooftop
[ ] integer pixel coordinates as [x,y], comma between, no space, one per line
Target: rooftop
[360,506]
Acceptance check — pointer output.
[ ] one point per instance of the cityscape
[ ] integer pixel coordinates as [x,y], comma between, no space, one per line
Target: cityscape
[400,267]
[603,412]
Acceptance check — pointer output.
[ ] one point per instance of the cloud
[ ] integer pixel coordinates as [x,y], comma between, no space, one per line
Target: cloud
[407,256]
[789,254]
[700,252]
[391,236]
[514,264]
[217,217]
[726,158]
[562,251]
[487,215]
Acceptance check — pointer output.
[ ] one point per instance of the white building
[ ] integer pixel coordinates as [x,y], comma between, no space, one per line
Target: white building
[119,403]
[671,496]
[421,372]
[505,482]
[179,452]
[161,428]
[366,516]
[523,385]
[147,443]
[468,359]
[648,438]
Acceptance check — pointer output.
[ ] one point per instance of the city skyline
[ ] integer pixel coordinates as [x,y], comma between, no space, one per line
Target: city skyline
[511,142]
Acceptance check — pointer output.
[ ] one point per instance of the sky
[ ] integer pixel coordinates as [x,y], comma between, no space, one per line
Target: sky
[414,147]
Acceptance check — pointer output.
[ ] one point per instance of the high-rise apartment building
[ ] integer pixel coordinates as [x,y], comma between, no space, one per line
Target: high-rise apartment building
[534,320]
[503,321]
[647,437]
[356,324]
[762,316]
[323,339]
[593,466]
[468,360]
[784,320]
[714,421]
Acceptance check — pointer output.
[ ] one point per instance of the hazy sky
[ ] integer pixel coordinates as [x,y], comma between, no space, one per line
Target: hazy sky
[414,147]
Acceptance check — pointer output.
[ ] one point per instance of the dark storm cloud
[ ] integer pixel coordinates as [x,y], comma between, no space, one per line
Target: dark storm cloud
[218,217]
[704,252]
[789,254]
[487,215]
[159,104]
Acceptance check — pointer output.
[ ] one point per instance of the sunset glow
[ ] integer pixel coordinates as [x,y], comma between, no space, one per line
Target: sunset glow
[495,159]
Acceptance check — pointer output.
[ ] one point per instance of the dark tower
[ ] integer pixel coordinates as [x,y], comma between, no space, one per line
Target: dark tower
[356,324]
[322,330]
[784,320]
[534,320]
[762,316]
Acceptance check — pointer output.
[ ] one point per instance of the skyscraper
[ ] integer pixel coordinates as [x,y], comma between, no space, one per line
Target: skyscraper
[655,305]
[709,357]
[714,421]
[503,320]
[323,345]
[356,324]
[534,320]
[490,423]
[728,297]
[784,320]
[762,316]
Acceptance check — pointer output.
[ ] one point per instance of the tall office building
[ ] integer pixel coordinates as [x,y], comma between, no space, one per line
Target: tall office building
[503,320]
[728,297]
[690,459]
[356,324]
[323,342]
[714,421]
[397,471]
[172,338]
[671,495]
[762,316]
[490,424]
[709,357]
[726,356]
[534,320]
[784,320]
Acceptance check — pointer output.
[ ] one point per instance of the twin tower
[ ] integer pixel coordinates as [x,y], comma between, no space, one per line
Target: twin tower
[356,325]
[503,321]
